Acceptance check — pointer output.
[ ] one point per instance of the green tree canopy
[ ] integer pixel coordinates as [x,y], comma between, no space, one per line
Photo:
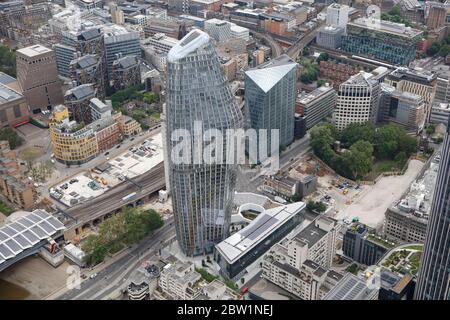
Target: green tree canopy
[7,61]
[357,131]
[11,136]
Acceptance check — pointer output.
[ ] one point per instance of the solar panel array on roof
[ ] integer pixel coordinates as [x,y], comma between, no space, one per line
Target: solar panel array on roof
[89,34]
[26,232]
[87,61]
[189,38]
[83,91]
[350,288]
[127,62]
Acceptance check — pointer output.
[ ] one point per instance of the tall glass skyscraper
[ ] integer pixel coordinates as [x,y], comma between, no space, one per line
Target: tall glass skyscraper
[270,94]
[202,193]
[434,274]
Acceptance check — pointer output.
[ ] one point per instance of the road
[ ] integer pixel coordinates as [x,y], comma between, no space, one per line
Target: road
[113,276]
[277,50]
[295,50]
[150,182]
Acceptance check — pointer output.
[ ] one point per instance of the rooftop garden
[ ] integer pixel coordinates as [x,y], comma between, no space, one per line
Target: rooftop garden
[404,260]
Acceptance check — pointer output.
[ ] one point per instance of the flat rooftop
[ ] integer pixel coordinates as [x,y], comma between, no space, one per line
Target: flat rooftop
[350,288]
[33,51]
[306,98]
[90,184]
[267,222]
[417,201]
[8,95]
[397,29]
[311,234]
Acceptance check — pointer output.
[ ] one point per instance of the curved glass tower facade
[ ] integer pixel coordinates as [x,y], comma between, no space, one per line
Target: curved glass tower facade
[434,274]
[199,95]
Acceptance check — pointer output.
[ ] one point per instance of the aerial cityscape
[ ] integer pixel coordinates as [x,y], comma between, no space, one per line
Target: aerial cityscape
[240,150]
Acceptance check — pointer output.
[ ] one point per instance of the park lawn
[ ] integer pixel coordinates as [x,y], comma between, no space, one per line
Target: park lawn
[5,209]
[381,166]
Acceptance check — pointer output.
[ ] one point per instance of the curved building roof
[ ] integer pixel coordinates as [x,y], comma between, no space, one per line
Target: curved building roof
[26,232]
[191,42]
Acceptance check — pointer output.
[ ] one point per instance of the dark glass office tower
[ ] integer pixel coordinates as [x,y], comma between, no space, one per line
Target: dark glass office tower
[434,274]
[202,192]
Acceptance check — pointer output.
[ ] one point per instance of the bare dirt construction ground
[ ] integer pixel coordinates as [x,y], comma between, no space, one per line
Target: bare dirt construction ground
[37,276]
[2,218]
[371,203]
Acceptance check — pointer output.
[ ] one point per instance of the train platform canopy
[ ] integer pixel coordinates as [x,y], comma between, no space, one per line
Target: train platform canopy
[25,232]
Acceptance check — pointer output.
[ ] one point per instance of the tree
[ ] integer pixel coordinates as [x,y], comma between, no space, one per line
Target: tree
[444,50]
[29,155]
[95,250]
[430,129]
[321,82]
[358,131]
[305,51]
[314,206]
[12,137]
[7,61]
[359,158]
[433,49]
[296,197]
[323,57]
[150,97]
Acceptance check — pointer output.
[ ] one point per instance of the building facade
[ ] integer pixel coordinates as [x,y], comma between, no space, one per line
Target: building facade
[270,93]
[301,265]
[126,72]
[357,101]
[420,82]
[14,109]
[404,108]
[391,42]
[434,273]
[202,193]
[361,246]
[316,105]
[38,77]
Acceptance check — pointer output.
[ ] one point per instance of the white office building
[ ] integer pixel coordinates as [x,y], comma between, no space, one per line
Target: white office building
[357,100]
[300,264]
[337,15]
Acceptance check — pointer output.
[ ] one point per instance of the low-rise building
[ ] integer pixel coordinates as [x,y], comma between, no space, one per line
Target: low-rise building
[407,219]
[361,245]
[76,143]
[281,186]
[351,287]
[217,290]
[16,190]
[440,113]
[336,72]
[404,108]
[301,264]
[14,109]
[129,126]
[244,247]
[179,281]
[316,105]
